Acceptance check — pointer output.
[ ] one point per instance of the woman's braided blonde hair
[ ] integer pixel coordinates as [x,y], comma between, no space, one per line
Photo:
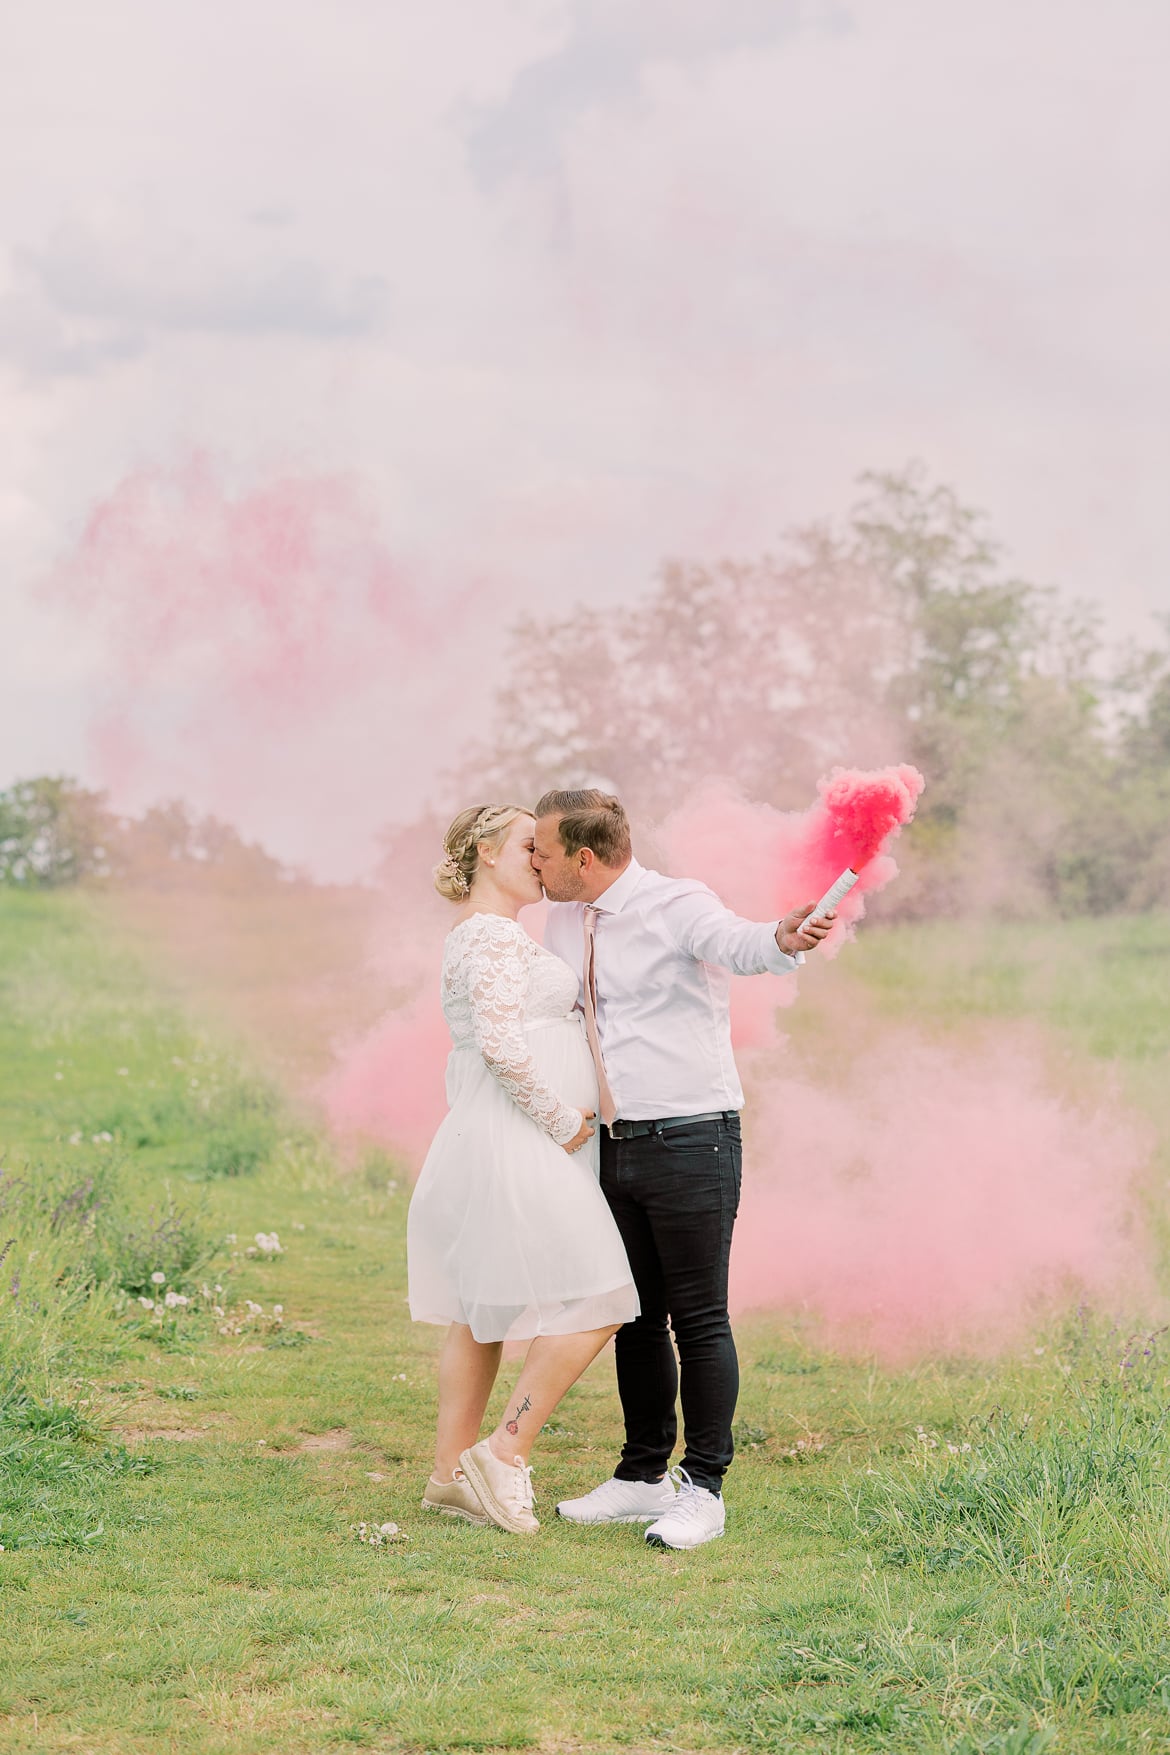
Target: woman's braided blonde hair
[483,825]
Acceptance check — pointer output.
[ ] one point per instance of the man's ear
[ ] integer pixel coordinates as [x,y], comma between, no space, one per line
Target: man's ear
[586,858]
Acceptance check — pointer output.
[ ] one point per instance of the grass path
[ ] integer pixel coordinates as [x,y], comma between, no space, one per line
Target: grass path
[176,1503]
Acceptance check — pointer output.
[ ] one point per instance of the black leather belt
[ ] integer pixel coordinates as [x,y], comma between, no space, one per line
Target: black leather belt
[635,1130]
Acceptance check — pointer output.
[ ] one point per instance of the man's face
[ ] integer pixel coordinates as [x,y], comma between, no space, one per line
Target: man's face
[560,873]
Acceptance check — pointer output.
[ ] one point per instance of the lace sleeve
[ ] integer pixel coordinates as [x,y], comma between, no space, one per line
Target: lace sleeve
[497,979]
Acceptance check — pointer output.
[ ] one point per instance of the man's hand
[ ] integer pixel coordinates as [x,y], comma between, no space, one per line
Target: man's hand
[793,936]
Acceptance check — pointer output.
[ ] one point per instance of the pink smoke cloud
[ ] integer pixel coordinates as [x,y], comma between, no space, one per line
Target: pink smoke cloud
[764,862]
[262,650]
[862,811]
[923,1201]
[388,1086]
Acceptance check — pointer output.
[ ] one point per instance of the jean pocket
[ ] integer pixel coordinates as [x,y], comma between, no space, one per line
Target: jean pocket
[703,1136]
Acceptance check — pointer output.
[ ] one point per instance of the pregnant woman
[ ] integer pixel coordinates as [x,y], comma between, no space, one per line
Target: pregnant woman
[509,1236]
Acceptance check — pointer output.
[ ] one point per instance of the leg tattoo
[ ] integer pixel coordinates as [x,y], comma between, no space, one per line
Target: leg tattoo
[513,1425]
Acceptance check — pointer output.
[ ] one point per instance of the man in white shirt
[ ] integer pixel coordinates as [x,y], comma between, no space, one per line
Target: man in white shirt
[655,955]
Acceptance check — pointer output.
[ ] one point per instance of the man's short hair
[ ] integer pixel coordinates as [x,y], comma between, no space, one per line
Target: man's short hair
[589,818]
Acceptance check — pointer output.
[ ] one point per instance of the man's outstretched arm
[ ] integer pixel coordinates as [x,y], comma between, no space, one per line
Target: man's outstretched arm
[711,933]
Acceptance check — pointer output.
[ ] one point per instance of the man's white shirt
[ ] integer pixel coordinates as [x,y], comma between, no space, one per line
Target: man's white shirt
[664,950]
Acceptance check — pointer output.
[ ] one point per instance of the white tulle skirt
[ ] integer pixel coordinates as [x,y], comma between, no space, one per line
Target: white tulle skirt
[507,1232]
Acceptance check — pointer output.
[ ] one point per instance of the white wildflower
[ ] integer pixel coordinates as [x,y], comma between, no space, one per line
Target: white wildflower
[147,1303]
[268,1243]
[278,1310]
[123,1072]
[174,1300]
[377,1536]
[158,1278]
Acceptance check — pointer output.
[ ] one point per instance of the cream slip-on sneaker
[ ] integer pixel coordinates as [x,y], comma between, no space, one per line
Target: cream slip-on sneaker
[504,1489]
[455,1498]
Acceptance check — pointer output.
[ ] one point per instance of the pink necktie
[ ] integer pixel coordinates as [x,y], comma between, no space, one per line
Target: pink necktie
[605,1101]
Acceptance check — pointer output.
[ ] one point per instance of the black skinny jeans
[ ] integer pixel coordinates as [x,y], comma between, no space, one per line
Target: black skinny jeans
[674,1196]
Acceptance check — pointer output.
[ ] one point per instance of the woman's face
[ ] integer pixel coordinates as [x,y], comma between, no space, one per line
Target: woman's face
[513,868]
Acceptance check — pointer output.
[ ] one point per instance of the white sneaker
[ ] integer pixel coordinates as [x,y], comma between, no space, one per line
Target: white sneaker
[697,1516]
[620,1502]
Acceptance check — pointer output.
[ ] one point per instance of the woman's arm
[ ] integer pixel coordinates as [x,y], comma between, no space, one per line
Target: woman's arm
[497,981]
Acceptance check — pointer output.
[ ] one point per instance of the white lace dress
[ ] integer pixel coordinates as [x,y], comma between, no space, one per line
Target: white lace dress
[507,1232]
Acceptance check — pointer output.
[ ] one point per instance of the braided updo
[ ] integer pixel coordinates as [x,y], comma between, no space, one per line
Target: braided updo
[483,825]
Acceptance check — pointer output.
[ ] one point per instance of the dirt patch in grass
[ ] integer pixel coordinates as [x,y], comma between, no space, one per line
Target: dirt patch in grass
[176,1434]
[337,1439]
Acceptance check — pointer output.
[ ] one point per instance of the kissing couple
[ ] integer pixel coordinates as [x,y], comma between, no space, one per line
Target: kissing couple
[524,1225]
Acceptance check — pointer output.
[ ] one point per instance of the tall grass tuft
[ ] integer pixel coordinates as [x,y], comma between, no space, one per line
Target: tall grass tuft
[72,1252]
[1035,1493]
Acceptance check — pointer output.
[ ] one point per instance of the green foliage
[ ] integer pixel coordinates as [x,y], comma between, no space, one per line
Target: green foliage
[52,832]
[130,1248]
[243,1133]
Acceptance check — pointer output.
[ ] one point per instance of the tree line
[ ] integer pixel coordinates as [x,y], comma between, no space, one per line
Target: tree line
[898,634]
[54,832]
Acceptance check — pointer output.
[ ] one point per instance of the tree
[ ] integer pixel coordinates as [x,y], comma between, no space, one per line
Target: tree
[53,832]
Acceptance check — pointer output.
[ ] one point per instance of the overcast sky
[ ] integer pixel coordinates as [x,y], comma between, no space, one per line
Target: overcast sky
[566,286]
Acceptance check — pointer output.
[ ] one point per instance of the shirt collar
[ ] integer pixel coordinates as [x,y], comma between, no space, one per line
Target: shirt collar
[613,900]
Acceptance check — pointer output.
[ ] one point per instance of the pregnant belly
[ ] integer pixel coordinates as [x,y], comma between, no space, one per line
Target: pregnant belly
[560,1058]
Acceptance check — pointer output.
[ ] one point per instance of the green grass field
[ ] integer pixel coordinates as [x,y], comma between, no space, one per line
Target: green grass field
[957,1557]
